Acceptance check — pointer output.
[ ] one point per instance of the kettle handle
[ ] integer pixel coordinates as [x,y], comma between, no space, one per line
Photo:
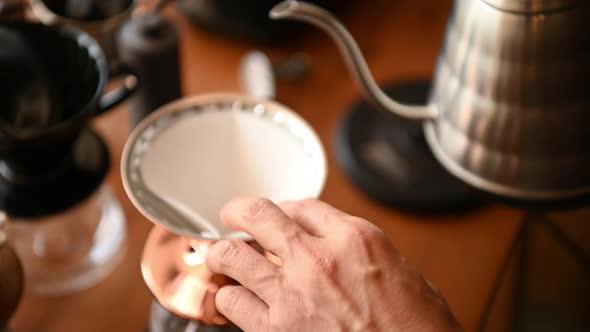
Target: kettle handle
[321,18]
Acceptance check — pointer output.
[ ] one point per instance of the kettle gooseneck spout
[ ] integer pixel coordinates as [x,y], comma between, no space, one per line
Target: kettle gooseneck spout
[316,16]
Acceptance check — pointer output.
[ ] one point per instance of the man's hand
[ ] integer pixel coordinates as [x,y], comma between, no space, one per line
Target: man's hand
[338,273]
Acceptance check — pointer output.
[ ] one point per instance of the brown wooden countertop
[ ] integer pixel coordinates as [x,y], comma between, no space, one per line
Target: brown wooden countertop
[459,254]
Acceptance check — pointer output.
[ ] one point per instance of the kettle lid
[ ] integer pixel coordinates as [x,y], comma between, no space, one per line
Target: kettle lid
[532,6]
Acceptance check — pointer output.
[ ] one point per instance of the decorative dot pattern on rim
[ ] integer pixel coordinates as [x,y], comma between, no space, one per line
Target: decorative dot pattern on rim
[184,161]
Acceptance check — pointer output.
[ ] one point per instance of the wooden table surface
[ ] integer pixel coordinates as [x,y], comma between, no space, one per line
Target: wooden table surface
[460,254]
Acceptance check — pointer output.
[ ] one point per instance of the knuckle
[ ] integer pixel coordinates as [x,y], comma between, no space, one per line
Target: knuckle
[360,229]
[292,235]
[228,299]
[261,275]
[327,264]
[271,277]
[309,203]
[374,233]
[363,240]
[256,208]
[224,253]
[353,232]
[323,262]
[296,208]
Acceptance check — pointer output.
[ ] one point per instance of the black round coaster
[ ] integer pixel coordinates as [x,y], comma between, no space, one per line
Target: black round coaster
[389,159]
[79,175]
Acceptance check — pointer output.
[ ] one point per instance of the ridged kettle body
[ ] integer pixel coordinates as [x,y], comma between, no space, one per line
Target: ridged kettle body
[510,108]
[513,94]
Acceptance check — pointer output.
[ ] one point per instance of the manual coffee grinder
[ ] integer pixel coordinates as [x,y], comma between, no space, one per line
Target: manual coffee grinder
[182,164]
[149,44]
[67,228]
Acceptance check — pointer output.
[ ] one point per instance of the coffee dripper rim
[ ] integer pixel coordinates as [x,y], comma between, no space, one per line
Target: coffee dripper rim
[188,103]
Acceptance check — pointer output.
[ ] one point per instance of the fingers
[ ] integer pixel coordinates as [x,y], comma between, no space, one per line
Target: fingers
[315,217]
[243,308]
[267,223]
[241,262]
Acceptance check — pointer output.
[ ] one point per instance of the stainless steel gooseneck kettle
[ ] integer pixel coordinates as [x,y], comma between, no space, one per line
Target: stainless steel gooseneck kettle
[510,108]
